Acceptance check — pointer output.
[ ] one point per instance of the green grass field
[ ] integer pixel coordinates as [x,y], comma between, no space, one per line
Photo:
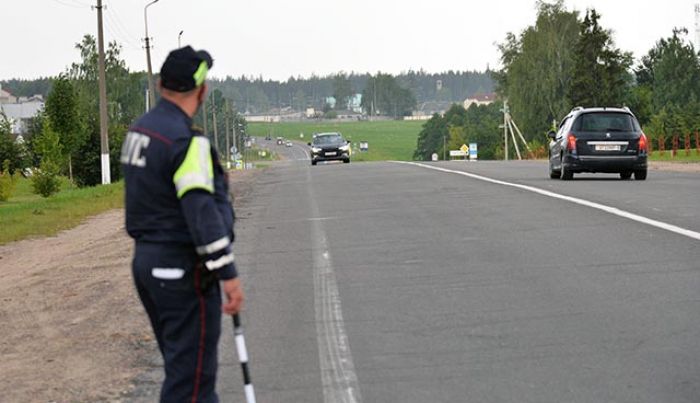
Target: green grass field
[680,156]
[388,140]
[26,214]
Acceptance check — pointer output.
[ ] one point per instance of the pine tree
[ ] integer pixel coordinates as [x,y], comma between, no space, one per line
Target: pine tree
[600,74]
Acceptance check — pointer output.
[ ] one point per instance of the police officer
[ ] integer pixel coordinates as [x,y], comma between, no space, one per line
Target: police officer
[179,213]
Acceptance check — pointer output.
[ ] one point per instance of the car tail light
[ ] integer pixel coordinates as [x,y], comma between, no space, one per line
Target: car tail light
[571,142]
[643,143]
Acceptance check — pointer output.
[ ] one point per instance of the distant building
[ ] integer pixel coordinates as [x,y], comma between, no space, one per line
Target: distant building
[19,114]
[330,101]
[430,108]
[33,98]
[479,99]
[355,103]
[6,97]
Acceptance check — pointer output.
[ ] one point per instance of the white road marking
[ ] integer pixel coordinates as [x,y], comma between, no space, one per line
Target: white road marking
[322,218]
[608,209]
[338,376]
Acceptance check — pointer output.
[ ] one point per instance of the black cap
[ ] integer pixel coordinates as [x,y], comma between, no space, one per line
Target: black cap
[185,69]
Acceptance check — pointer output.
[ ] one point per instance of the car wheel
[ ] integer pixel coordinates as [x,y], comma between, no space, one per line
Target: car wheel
[347,161]
[625,175]
[552,173]
[313,162]
[640,175]
[566,174]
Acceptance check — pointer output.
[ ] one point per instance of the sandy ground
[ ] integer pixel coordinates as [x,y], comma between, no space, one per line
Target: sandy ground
[73,329]
[674,166]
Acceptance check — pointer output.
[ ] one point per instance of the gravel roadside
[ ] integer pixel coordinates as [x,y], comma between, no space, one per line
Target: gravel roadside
[75,330]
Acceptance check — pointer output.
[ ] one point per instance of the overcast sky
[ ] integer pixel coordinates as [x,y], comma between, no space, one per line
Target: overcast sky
[282,38]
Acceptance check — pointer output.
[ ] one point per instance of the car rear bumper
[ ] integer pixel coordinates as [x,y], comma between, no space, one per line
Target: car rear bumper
[605,163]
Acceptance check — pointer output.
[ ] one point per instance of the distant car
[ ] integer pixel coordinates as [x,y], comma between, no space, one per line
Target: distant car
[289,144]
[329,147]
[280,141]
[608,140]
[268,137]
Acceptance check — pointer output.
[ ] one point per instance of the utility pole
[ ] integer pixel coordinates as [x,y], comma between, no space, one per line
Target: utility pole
[151,86]
[216,132]
[104,139]
[227,116]
[204,117]
[444,149]
[510,126]
[505,129]
[374,101]
[235,141]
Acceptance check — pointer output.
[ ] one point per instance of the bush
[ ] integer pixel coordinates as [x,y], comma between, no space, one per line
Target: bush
[7,181]
[45,180]
[538,151]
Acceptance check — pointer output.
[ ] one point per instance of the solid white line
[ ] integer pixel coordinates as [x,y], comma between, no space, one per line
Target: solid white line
[611,210]
[338,376]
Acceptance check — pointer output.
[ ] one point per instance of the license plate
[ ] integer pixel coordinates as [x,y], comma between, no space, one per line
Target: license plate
[331,154]
[607,147]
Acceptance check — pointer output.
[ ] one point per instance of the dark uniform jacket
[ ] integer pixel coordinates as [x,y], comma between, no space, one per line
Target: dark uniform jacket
[176,190]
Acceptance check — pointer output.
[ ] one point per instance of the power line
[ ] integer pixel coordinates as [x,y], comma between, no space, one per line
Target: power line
[72,5]
[80,3]
[122,26]
[117,33]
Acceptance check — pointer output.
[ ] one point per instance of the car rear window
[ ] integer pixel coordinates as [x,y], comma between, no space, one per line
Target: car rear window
[606,122]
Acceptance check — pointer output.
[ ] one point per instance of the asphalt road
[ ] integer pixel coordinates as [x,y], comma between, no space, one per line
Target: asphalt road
[388,282]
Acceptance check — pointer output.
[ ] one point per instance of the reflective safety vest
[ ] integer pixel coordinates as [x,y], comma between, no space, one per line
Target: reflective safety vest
[177,193]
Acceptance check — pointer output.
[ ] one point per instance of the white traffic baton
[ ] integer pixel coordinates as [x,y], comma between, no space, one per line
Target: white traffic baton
[243,358]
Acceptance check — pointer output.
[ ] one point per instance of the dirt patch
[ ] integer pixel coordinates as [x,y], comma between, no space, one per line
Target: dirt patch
[73,327]
[675,166]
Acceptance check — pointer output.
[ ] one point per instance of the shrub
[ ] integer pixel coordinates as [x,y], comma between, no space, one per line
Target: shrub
[7,181]
[45,180]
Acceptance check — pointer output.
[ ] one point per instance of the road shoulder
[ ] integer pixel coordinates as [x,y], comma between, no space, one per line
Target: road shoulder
[78,331]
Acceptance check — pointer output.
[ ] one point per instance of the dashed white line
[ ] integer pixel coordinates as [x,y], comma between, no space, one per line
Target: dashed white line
[608,209]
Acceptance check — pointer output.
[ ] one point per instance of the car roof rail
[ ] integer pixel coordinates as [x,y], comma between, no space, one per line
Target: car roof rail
[577,108]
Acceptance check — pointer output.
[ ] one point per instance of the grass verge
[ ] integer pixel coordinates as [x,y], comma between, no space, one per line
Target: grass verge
[388,140]
[27,214]
[680,156]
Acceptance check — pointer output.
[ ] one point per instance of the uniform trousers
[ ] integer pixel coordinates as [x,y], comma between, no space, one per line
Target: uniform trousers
[183,303]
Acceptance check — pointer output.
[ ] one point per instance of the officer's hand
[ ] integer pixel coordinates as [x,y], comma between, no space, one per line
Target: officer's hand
[234,296]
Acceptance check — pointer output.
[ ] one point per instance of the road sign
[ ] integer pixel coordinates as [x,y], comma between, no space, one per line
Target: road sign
[464,148]
[473,150]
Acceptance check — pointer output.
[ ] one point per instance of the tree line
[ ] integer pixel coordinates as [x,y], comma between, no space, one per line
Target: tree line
[564,60]
[258,96]
[64,139]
